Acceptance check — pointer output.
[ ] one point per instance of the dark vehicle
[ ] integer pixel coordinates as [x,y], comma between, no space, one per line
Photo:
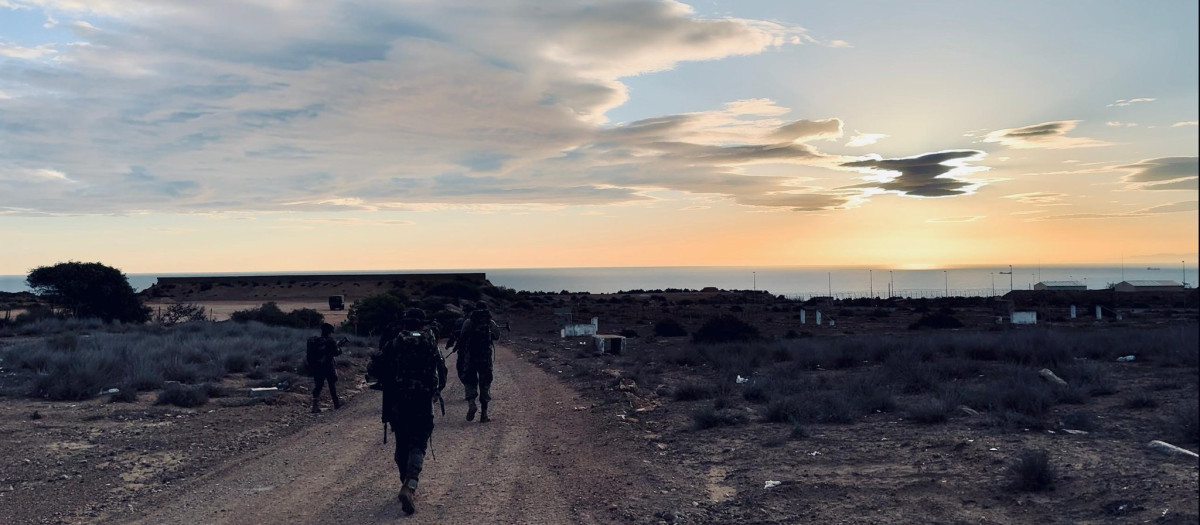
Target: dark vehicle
[337,302]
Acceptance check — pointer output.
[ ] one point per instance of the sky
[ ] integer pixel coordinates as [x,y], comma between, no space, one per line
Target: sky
[289,135]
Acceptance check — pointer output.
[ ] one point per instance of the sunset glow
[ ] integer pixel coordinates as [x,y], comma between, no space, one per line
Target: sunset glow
[183,136]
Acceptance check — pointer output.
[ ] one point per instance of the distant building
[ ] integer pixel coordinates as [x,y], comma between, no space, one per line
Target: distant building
[1148,286]
[1060,285]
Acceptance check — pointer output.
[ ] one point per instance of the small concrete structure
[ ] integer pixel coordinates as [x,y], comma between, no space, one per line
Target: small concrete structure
[609,344]
[1148,286]
[1023,318]
[1060,285]
[577,330]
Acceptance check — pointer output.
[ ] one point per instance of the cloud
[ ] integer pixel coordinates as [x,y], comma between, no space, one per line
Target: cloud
[1049,135]
[1130,101]
[26,53]
[184,106]
[1119,124]
[1185,123]
[966,218]
[1166,173]
[1175,207]
[936,174]
[1037,197]
[864,139]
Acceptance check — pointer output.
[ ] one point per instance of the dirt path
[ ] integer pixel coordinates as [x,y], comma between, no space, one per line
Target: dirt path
[539,461]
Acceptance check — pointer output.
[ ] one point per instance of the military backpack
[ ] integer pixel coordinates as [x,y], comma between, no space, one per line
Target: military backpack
[408,363]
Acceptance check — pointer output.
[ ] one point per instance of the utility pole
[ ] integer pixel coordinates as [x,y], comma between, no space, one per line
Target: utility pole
[829,276]
[871,279]
[993,283]
[891,284]
[947,276]
[1010,278]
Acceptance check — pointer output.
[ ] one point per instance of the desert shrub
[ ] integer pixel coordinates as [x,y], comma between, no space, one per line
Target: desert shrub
[1032,472]
[725,329]
[1183,423]
[270,314]
[236,363]
[870,393]
[458,290]
[374,313]
[182,396]
[757,392]
[180,313]
[1140,401]
[786,410]
[936,321]
[929,410]
[711,417]
[1025,396]
[669,328]
[306,318]
[125,394]
[798,431]
[1078,421]
[1090,377]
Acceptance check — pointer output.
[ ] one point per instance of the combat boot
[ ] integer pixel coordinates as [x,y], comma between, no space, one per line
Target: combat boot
[408,494]
[337,403]
[316,407]
[483,417]
[471,410]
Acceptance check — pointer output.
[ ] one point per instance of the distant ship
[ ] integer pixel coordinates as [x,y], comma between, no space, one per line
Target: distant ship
[1151,268]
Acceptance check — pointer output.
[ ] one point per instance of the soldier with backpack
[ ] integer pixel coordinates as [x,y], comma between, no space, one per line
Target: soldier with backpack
[319,354]
[411,374]
[475,355]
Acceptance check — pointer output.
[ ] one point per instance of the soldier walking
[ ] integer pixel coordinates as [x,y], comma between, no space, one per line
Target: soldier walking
[411,374]
[320,352]
[476,353]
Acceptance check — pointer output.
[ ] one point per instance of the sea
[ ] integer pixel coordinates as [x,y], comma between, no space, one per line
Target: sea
[792,282]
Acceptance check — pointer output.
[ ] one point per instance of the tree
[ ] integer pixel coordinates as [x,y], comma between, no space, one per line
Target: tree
[89,290]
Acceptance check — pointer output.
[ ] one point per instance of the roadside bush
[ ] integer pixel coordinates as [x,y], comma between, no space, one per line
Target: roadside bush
[669,328]
[455,289]
[938,321]
[711,417]
[182,396]
[125,394]
[1032,472]
[1078,421]
[1140,401]
[180,313]
[930,410]
[1183,423]
[725,329]
[270,314]
[691,392]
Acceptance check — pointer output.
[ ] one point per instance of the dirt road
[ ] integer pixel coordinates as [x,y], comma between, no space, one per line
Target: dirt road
[542,460]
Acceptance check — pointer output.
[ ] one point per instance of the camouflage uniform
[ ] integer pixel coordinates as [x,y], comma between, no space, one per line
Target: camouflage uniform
[475,355]
[321,366]
[410,385]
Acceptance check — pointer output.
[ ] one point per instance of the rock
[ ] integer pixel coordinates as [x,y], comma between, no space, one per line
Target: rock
[1172,450]
[1048,375]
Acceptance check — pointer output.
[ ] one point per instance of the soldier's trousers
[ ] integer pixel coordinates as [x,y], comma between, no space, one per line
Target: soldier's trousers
[319,380]
[412,421]
[476,379]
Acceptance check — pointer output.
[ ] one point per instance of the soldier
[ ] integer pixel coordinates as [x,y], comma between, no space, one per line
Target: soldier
[475,356]
[412,375]
[320,353]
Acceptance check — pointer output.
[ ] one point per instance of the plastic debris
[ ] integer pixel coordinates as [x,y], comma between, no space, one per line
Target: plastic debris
[772,484]
[742,380]
[1126,358]
[111,391]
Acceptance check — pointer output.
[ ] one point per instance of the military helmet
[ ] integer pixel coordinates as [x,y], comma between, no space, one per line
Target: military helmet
[326,329]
